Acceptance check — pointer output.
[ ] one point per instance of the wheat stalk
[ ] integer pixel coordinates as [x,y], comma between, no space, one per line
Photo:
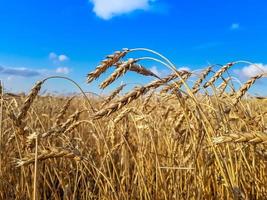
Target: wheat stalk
[204,74]
[105,64]
[147,99]
[223,86]
[202,77]
[139,69]
[113,95]
[177,84]
[218,74]
[122,69]
[123,114]
[28,101]
[157,83]
[63,111]
[129,97]
[61,128]
[253,137]
[48,154]
[245,88]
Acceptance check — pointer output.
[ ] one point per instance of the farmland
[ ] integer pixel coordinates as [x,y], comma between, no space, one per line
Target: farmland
[167,139]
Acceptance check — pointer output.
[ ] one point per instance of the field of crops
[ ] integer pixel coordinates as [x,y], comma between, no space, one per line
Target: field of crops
[186,135]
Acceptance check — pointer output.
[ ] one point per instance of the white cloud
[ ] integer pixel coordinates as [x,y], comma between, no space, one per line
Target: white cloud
[63,70]
[62,58]
[235,26]
[253,70]
[58,58]
[11,73]
[106,9]
[21,71]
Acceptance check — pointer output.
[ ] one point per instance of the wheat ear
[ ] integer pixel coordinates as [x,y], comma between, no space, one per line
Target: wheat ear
[256,138]
[223,86]
[129,97]
[48,154]
[113,95]
[218,74]
[204,74]
[121,70]
[245,88]
[177,84]
[63,111]
[105,64]
[28,101]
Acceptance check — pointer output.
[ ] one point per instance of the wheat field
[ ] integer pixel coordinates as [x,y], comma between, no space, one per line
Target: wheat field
[186,135]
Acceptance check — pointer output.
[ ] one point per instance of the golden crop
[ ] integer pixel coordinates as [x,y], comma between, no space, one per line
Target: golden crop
[163,140]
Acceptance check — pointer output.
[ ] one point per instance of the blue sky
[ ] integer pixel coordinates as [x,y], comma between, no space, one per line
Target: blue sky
[43,38]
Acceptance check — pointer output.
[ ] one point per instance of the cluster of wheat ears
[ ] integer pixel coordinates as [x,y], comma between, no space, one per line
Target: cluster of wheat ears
[187,135]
